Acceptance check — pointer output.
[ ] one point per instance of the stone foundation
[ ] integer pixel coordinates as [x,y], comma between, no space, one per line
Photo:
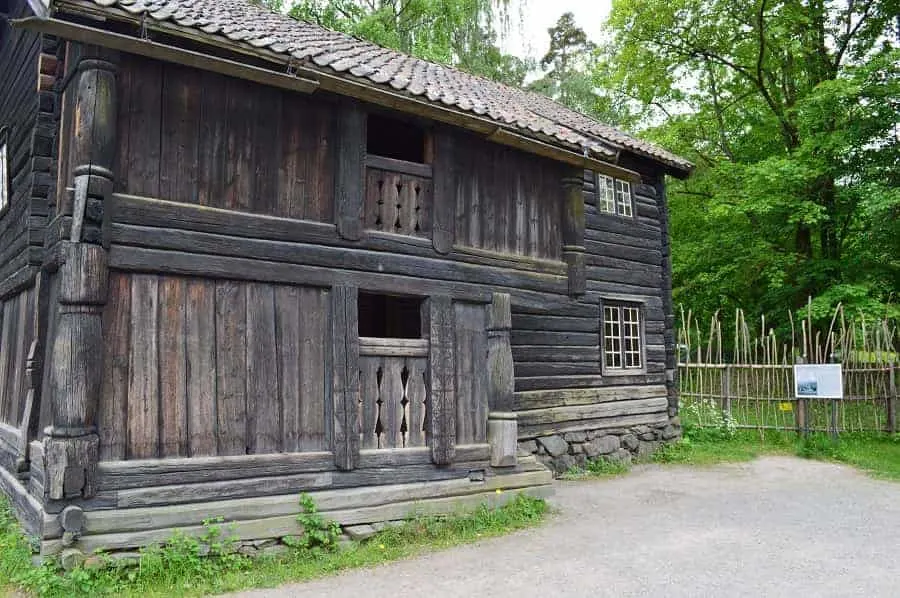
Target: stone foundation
[561,452]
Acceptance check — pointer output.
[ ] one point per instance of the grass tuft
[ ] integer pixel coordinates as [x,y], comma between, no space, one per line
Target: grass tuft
[198,567]
[600,467]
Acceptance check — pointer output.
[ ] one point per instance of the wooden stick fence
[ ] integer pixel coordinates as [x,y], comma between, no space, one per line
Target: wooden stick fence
[751,384]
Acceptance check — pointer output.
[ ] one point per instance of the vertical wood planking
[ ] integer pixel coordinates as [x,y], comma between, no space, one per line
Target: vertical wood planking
[211,170]
[6,322]
[179,159]
[266,148]
[391,407]
[263,405]
[368,397]
[350,174]
[441,376]
[231,407]
[314,346]
[26,323]
[143,383]
[113,407]
[294,184]
[443,213]
[345,376]
[471,383]
[287,331]
[172,368]
[145,113]
[240,170]
[200,329]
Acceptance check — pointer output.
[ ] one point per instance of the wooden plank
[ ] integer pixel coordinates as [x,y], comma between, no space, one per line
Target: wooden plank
[212,141]
[231,363]
[240,168]
[393,347]
[441,374]
[144,129]
[172,368]
[287,326]
[200,329]
[263,405]
[538,399]
[546,353]
[345,375]
[608,423]
[369,393]
[416,391]
[471,373]
[351,152]
[399,166]
[6,323]
[594,411]
[143,383]
[392,393]
[179,159]
[314,335]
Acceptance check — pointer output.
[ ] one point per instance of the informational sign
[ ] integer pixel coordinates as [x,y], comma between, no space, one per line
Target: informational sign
[820,381]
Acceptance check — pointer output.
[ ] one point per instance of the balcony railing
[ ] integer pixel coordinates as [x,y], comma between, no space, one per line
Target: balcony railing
[398,196]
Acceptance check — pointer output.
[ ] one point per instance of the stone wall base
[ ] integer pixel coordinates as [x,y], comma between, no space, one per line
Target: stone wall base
[561,452]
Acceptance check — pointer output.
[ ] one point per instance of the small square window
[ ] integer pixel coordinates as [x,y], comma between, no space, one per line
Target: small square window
[614,196]
[4,176]
[622,337]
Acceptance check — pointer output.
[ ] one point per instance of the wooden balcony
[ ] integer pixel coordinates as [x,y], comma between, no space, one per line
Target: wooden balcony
[393,392]
[398,197]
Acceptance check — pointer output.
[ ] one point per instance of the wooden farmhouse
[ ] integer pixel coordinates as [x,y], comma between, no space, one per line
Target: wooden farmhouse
[243,257]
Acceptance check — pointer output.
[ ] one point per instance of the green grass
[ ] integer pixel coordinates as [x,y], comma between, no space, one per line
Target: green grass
[179,570]
[598,468]
[876,454]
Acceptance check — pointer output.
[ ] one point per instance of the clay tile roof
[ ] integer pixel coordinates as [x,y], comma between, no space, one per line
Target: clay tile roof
[250,25]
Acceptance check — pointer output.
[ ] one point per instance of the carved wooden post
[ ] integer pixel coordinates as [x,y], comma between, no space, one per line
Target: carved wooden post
[573,231]
[438,314]
[71,442]
[345,375]
[502,420]
[350,171]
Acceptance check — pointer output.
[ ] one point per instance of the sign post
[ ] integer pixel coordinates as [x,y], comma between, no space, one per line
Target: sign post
[820,381]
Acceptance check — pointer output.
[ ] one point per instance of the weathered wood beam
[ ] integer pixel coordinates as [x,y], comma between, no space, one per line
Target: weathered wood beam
[443,223]
[502,426]
[345,376]
[438,319]
[71,443]
[350,171]
[573,232]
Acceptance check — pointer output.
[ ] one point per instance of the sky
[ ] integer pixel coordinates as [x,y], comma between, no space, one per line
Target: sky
[540,15]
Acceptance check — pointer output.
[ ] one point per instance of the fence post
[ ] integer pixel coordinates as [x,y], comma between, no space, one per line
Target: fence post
[726,390]
[801,415]
[892,399]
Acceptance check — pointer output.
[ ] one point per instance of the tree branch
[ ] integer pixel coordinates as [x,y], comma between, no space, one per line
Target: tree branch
[851,33]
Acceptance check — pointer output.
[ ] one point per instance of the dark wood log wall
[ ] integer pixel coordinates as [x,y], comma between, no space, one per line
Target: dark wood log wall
[506,201]
[28,69]
[202,368]
[202,138]
[558,350]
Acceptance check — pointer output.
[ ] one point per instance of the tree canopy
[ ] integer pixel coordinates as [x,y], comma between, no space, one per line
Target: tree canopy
[790,110]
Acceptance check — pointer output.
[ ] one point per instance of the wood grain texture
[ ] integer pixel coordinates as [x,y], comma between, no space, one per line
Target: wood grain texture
[471,373]
[442,378]
[345,376]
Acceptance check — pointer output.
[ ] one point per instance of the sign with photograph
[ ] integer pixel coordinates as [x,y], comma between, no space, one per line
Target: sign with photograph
[819,381]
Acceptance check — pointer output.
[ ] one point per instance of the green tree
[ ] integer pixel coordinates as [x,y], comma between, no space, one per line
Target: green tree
[461,33]
[790,109]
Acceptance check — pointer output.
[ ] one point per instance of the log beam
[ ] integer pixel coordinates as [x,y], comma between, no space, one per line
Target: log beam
[71,443]
[573,232]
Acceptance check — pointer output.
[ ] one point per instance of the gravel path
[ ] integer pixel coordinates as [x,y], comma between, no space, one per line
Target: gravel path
[778,526]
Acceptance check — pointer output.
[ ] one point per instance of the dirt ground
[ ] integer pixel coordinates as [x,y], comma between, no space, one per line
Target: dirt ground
[778,526]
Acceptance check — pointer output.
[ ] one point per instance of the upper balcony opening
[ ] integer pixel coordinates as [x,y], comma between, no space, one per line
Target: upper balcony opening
[390,316]
[397,139]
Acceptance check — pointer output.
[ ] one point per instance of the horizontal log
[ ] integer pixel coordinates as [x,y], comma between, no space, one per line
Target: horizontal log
[539,368]
[606,423]
[539,399]
[274,527]
[557,339]
[159,213]
[622,239]
[551,323]
[602,223]
[556,382]
[401,166]
[593,411]
[148,518]
[26,508]
[636,276]
[17,281]
[393,347]
[544,353]
[332,257]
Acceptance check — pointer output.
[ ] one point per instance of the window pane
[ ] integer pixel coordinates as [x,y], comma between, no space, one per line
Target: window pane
[606,194]
[623,197]
[631,336]
[612,337]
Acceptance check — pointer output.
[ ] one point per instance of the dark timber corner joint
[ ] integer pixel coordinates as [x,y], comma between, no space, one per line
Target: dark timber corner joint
[71,443]
[573,232]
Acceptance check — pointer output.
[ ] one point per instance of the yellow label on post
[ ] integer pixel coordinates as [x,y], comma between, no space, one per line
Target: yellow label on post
[786,406]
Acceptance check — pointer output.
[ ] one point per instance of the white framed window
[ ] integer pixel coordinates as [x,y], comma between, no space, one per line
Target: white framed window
[4,174]
[614,196]
[622,337]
